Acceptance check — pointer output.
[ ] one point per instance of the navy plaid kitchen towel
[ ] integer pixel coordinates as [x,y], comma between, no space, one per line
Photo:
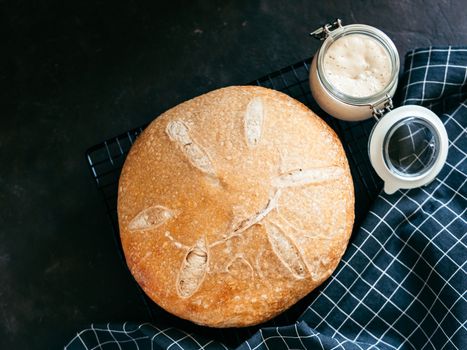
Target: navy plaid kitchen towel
[402,281]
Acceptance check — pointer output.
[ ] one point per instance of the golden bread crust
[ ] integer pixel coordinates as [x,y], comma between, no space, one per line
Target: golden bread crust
[234,205]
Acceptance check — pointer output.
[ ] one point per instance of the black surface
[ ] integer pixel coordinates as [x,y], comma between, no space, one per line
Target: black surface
[75,73]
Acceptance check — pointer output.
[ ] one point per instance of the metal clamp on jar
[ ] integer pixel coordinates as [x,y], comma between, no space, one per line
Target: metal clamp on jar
[353,77]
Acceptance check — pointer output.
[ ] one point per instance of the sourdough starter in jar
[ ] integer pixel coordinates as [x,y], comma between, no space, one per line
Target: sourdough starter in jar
[357,65]
[354,71]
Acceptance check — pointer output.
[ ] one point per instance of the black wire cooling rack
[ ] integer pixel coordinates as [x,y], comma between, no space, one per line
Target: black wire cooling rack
[106,159]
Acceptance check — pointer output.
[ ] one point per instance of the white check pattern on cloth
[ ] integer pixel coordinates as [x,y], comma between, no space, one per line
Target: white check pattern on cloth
[402,281]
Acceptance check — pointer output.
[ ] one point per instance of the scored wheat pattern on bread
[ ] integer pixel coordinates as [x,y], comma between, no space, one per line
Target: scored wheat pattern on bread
[194,266]
[241,267]
[179,133]
[302,177]
[285,249]
[193,269]
[151,217]
[253,121]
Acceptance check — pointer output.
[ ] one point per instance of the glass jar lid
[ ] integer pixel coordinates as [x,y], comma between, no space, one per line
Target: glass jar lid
[408,146]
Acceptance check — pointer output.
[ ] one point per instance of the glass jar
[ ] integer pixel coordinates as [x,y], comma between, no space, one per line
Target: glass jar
[408,145]
[337,103]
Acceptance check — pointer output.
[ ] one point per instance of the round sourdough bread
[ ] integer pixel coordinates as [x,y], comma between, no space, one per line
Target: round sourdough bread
[234,205]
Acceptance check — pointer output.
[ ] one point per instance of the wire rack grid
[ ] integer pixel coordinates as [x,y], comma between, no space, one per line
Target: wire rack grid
[106,159]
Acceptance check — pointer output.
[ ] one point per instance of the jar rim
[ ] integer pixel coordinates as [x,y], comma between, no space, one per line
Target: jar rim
[374,33]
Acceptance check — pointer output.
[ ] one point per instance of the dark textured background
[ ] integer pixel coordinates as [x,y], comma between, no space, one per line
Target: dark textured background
[73,74]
